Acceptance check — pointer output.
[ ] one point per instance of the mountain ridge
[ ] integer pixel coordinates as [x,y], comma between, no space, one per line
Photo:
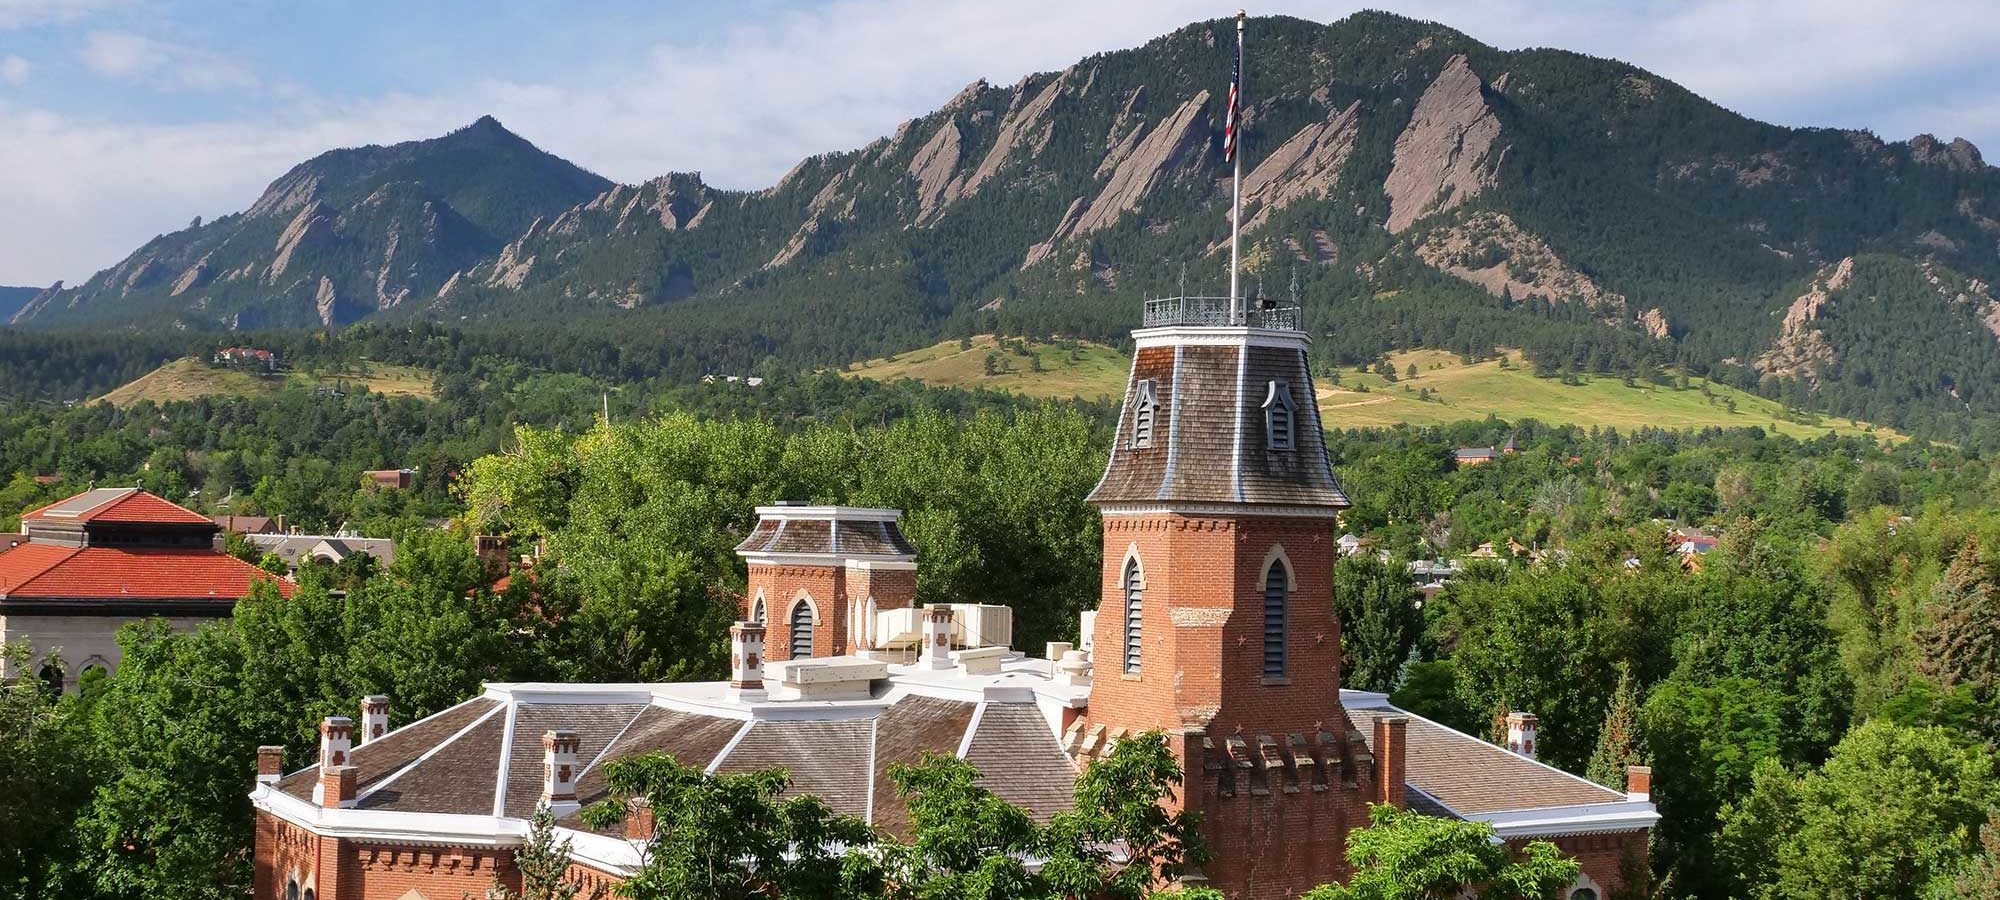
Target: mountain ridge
[1423,188]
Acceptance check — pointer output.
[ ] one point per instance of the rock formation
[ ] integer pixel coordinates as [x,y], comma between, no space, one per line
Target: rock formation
[1488,249]
[312,227]
[1800,348]
[1446,155]
[1306,165]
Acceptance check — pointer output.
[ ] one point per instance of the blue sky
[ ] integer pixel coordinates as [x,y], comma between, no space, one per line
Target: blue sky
[121,119]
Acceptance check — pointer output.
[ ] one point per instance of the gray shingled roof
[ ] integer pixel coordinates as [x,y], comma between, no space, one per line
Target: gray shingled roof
[1209,442]
[1470,776]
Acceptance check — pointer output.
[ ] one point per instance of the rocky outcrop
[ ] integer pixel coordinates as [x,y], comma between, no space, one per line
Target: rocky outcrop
[290,192]
[1654,323]
[1801,350]
[193,277]
[795,246]
[312,227]
[1027,124]
[324,300]
[36,304]
[1488,249]
[1150,163]
[933,168]
[1306,165]
[1126,130]
[511,270]
[1446,155]
[1960,154]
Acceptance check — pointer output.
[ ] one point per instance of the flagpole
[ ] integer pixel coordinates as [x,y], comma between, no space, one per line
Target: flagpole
[1236,316]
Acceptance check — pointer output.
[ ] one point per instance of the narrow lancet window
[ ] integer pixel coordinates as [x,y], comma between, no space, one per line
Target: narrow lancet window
[1277,592]
[802,630]
[1134,595]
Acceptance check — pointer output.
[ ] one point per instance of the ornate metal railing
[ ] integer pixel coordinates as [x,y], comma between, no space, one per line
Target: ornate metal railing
[1215,311]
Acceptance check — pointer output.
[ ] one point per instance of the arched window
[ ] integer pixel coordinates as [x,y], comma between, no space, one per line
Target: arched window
[1145,409]
[291,889]
[802,629]
[52,678]
[1278,416]
[1583,894]
[1277,591]
[1135,589]
[309,894]
[757,609]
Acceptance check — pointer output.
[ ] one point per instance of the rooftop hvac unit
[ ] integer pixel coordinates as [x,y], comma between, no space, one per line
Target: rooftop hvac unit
[982,625]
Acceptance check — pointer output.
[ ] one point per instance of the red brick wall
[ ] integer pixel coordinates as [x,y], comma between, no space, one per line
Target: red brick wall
[1203,668]
[345,870]
[1203,647]
[1606,858]
[784,584]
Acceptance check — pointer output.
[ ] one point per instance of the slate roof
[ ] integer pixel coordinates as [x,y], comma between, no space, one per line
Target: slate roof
[34,570]
[452,762]
[827,531]
[1466,775]
[1209,443]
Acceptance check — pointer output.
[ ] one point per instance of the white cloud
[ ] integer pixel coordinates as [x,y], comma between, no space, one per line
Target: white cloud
[125,55]
[14,70]
[24,13]
[743,103]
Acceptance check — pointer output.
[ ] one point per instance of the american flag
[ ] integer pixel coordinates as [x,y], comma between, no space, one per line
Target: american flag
[1234,120]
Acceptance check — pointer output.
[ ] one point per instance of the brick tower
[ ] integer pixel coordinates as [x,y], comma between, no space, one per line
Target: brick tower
[1216,623]
[818,575]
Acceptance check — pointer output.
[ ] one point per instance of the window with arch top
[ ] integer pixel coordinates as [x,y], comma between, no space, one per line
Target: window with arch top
[1135,590]
[1278,417]
[1277,594]
[291,889]
[757,609]
[1145,411]
[802,629]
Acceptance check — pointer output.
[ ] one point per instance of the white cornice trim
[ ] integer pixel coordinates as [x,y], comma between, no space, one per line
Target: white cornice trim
[850,560]
[1550,821]
[1218,336]
[850,513]
[900,564]
[1219,509]
[618,856]
[392,825]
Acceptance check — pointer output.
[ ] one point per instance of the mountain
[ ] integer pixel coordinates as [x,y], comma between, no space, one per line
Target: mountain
[13,298]
[1416,187]
[342,236]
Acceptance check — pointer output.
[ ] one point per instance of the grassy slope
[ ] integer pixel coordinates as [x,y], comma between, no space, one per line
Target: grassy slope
[1095,371]
[188,378]
[1462,392]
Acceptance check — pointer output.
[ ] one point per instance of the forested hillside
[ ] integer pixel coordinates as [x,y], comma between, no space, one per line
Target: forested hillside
[1415,187]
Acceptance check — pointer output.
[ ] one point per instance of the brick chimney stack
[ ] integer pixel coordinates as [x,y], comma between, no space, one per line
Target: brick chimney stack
[374,717]
[1638,782]
[746,659]
[336,738]
[639,820]
[936,637]
[559,766]
[270,764]
[1391,760]
[1521,728]
[338,787]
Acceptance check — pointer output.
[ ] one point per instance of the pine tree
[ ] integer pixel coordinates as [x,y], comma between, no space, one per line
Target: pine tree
[544,865]
[1960,644]
[1618,740]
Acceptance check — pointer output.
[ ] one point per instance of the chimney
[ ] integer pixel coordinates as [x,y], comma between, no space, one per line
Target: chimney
[937,638]
[336,738]
[374,717]
[270,764]
[337,787]
[746,659]
[1521,733]
[1391,759]
[639,820]
[559,768]
[1639,783]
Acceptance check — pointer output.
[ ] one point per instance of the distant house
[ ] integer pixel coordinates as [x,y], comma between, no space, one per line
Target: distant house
[748,380]
[389,479]
[1351,544]
[1474,456]
[1485,551]
[1691,544]
[248,524]
[297,549]
[247,357]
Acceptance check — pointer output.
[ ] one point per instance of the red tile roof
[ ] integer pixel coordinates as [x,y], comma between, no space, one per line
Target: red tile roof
[45,570]
[119,505]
